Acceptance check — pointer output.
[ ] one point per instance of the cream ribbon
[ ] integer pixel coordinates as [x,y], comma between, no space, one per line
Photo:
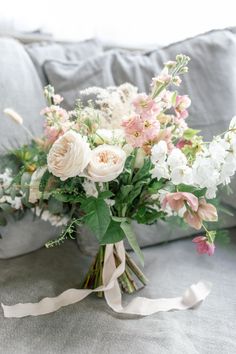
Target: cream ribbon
[138,306]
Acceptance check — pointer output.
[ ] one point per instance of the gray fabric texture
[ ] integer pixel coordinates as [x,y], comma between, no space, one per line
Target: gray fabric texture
[77,51]
[210,83]
[20,89]
[92,327]
[25,235]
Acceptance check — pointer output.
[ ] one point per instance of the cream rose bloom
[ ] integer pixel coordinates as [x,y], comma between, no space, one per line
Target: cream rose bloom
[107,163]
[69,155]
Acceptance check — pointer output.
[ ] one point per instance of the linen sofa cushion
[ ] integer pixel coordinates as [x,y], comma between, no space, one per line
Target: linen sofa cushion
[74,51]
[20,89]
[25,235]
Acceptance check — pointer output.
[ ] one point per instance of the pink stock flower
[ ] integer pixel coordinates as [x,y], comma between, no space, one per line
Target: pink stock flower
[177,201]
[140,130]
[133,127]
[57,99]
[181,105]
[145,105]
[204,246]
[52,134]
[205,212]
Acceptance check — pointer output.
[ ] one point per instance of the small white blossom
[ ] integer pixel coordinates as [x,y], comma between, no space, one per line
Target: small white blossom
[182,174]
[176,158]
[161,171]
[159,152]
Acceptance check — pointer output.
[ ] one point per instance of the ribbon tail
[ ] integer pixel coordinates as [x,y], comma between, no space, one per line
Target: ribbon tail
[138,306]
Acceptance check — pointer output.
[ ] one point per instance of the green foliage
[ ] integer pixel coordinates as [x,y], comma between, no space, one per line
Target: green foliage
[131,237]
[147,215]
[114,233]
[190,133]
[3,220]
[97,216]
[55,206]
[65,234]
[190,189]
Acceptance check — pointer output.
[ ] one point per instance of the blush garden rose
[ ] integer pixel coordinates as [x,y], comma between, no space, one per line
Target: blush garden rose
[69,156]
[107,163]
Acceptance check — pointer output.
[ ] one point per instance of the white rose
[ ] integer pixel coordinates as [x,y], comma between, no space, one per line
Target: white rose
[106,163]
[69,155]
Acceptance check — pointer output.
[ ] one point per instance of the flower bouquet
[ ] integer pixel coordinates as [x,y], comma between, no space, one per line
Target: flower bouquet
[119,157]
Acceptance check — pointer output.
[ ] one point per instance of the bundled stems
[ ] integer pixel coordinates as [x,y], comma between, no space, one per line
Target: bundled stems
[93,278]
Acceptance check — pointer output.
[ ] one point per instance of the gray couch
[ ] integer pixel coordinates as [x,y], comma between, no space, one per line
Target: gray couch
[90,326]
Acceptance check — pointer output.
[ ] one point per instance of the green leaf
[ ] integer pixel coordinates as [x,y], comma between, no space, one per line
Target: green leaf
[155,185]
[144,172]
[148,216]
[190,133]
[97,216]
[3,220]
[131,237]
[113,234]
[44,181]
[67,198]
[55,206]
[105,194]
[190,189]
[6,207]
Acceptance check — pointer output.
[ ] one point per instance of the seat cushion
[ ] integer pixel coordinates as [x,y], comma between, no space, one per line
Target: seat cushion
[21,90]
[91,325]
[74,51]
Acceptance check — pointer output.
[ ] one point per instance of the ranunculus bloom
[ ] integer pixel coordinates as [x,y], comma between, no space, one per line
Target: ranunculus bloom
[204,246]
[106,163]
[69,155]
[177,200]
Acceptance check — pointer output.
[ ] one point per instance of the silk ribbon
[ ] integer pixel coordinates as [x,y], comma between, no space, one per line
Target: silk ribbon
[112,293]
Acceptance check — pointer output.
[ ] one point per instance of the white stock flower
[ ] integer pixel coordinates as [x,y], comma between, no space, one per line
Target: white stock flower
[106,163]
[6,178]
[109,136]
[161,171]
[218,150]
[232,124]
[182,174]
[159,152]
[176,158]
[34,193]
[205,173]
[69,155]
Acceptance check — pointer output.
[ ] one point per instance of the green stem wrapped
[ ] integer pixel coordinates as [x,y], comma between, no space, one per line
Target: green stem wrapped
[93,278]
